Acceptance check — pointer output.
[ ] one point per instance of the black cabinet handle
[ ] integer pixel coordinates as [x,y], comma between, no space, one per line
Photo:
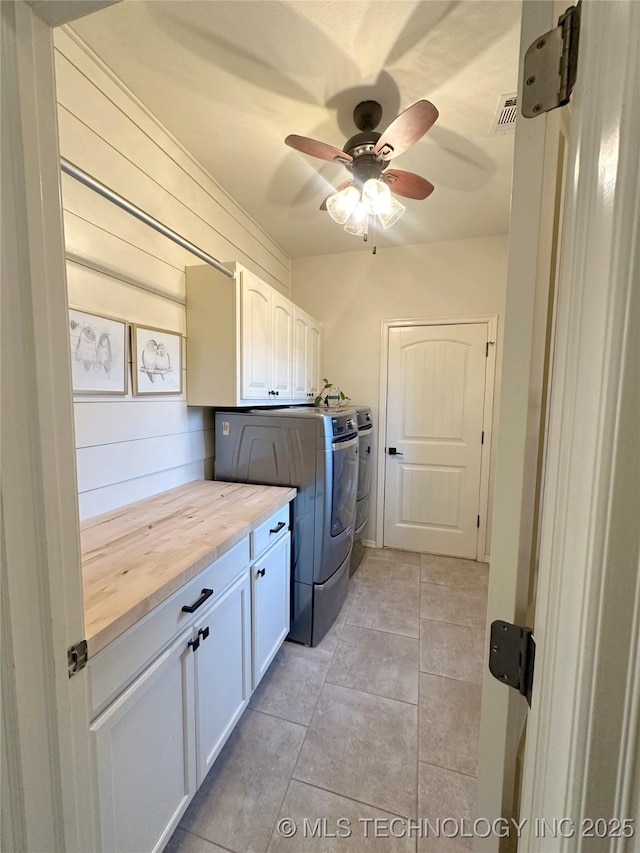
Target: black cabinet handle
[394,452]
[191,608]
[204,633]
[194,644]
[261,573]
[278,527]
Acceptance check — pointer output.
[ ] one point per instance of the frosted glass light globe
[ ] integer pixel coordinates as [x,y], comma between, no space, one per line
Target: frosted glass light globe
[341,205]
[376,196]
[391,216]
[358,222]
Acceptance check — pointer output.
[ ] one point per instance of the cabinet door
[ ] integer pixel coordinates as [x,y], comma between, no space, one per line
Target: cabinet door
[223,678]
[270,592]
[313,359]
[282,345]
[256,338]
[300,355]
[145,754]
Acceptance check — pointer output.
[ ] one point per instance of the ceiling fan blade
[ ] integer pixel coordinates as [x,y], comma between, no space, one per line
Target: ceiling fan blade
[407,184]
[342,186]
[406,129]
[317,149]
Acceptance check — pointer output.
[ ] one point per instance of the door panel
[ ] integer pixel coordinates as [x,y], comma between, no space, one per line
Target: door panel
[271,584]
[300,358]
[313,359]
[256,338]
[435,406]
[223,662]
[145,755]
[282,340]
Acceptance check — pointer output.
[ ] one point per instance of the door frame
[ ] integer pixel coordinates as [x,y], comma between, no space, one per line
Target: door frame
[582,750]
[491,321]
[50,801]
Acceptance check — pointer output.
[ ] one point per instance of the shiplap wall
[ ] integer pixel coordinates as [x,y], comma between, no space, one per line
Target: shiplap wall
[130,447]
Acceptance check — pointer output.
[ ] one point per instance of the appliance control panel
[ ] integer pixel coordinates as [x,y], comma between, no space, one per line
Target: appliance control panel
[343,425]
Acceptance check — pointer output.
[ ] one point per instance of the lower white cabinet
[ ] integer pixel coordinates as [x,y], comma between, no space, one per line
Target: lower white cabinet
[223,671]
[270,595]
[155,743]
[145,754]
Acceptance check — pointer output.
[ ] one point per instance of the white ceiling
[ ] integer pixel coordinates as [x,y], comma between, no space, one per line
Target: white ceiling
[231,78]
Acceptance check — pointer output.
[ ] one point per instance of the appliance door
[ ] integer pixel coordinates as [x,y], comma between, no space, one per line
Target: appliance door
[339,506]
[344,484]
[364,464]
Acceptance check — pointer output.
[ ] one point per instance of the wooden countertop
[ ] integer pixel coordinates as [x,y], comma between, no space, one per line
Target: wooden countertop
[134,557]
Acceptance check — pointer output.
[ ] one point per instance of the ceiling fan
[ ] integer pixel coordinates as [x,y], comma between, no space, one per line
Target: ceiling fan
[367,156]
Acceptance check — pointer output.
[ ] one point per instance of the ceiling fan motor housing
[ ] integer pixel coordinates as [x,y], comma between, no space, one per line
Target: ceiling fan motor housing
[366,164]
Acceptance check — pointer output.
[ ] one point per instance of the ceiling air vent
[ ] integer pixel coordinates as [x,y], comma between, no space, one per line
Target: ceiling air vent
[504,119]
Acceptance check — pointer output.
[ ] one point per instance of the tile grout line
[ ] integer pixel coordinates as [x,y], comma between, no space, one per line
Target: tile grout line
[446,622]
[369,693]
[202,838]
[448,769]
[382,631]
[344,797]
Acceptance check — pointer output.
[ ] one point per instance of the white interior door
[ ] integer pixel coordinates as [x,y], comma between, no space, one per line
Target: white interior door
[435,412]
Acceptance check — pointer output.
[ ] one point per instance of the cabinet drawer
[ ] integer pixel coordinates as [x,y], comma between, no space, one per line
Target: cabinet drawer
[270,531]
[113,668]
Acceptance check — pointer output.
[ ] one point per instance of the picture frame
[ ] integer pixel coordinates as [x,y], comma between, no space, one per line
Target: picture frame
[156,356]
[99,357]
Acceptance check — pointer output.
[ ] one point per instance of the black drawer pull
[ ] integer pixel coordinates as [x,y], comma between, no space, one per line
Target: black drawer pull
[261,573]
[278,527]
[191,608]
[204,633]
[194,644]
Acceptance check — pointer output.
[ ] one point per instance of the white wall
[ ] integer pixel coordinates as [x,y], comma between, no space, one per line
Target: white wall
[352,293]
[129,448]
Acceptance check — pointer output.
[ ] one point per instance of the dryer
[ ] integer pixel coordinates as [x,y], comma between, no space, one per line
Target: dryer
[365,443]
[316,451]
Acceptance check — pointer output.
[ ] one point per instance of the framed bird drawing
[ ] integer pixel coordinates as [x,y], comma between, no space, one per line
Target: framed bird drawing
[157,361]
[98,353]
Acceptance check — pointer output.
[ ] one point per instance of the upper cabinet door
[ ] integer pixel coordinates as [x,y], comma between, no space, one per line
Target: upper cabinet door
[256,338]
[282,344]
[313,359]
[300,355]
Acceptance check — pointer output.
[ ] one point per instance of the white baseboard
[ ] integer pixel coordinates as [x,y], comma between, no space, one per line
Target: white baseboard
[369,543]
[487,559]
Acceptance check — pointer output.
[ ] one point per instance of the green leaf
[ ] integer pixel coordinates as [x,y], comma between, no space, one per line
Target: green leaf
[342,397]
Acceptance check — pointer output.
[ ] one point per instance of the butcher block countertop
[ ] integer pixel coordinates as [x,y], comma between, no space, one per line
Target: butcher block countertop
[134,557]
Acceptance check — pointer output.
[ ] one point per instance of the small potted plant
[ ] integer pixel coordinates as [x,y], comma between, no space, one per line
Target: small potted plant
[333,398]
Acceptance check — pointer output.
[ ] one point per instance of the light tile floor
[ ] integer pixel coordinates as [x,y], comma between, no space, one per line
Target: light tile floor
[376,726]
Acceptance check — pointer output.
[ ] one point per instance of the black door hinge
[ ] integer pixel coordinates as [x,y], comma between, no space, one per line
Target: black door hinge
[512,656]
[550,66]
[482,442]
[478,521]
[77,657]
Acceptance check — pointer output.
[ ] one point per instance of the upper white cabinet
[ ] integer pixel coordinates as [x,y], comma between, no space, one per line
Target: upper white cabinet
[256,337]
[246,342]
[306,356]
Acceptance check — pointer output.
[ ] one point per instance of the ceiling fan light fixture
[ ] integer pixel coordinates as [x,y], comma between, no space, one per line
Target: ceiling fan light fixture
[390,217]
[376,196]
[341,205]
[358,222]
